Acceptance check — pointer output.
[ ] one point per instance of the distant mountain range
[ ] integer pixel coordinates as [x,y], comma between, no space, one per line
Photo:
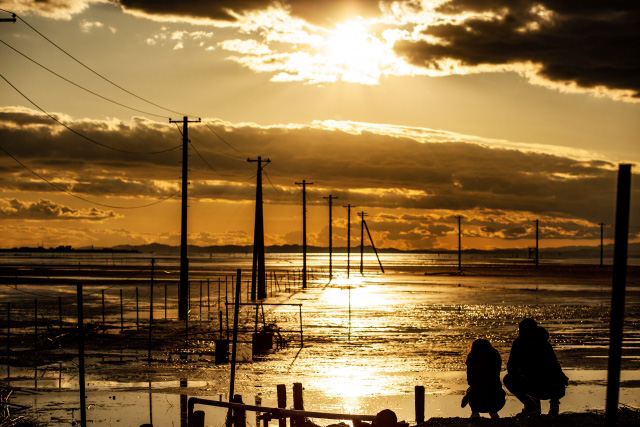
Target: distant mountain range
[158,248]
[562,252]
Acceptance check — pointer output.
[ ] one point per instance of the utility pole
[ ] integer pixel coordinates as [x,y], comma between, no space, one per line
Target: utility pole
[349,238]
[183,288]
[537,243]
[618,290]
[258,272]
[362,215]
[601,244]
[459,244]
[304,184]
[330,199]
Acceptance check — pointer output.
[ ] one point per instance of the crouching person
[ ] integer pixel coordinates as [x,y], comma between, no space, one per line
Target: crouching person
[485,393]
[533,371]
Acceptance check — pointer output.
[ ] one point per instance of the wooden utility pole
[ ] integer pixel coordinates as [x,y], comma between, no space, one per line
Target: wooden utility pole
[330,199]
[537,261]
[601,244]
[183,290]
[349,238]
[620,252]
[459,244]
[304,184]
[362,215]
[258,273]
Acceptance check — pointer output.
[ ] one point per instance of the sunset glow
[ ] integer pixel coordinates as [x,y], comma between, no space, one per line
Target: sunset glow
[415,112]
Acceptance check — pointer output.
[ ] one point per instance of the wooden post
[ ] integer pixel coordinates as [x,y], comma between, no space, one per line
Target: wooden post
[419,404]
[8,341]
[258,401]
[282,402]
[153,263]
[208,300]
[220,323]
[165,301]
[236,314]
[186,318]
[137,310]
[83,404]
[239,415]
[226,308]
[298,403]
[620,251]
[200,296]
[197,419]
[218,294]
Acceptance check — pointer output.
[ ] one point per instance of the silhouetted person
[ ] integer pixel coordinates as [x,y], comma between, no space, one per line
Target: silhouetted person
[485,393]
[533,371]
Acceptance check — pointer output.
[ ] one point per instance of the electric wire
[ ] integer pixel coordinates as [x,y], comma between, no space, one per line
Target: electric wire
[203,159]
[64,190]
[197,152]
[80,86]
[269,179]
[221,154]
[223,140]
[80,134]
[92,70]
[107,80]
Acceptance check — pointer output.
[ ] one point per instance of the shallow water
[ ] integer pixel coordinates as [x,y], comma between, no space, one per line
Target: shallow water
[368,342]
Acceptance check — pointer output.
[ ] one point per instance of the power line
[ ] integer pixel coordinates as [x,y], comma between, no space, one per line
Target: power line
[269,179]
[223,140]
[202,158]
[91,69]
[82,135]
[77,85]
[221,154]
[57,187]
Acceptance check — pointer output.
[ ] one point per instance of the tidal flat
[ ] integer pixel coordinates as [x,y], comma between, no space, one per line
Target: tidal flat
[368,340]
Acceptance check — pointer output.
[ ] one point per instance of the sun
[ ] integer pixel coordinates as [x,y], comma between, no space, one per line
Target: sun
[353,53]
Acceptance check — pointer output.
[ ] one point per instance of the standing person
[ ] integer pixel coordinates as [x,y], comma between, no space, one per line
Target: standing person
[485,393]
[533,371]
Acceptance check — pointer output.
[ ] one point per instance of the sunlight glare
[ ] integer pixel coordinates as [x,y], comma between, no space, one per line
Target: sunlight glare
[354,53]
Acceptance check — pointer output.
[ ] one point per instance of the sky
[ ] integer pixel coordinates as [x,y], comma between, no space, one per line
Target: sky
[501,112]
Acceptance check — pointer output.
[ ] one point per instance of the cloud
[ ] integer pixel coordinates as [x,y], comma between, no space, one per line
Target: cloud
[374,167]
[87,26]
[324,12]
[579,46]
[56,9]
[48,210]
[573,45]
[27,234]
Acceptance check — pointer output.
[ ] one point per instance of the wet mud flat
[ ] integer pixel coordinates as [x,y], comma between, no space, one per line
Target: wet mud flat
[367,343]
[626,418]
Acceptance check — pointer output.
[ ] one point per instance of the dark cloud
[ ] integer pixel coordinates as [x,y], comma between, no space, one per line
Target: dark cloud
[319,12]
[49,210]
[366,169]
[589,43]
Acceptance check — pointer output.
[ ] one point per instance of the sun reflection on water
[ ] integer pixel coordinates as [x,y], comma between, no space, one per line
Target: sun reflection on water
[349,381]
